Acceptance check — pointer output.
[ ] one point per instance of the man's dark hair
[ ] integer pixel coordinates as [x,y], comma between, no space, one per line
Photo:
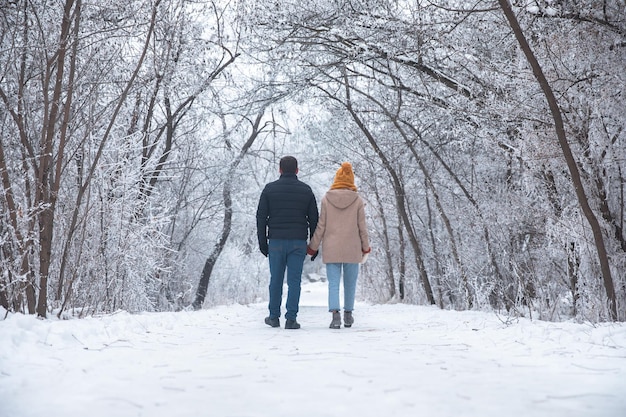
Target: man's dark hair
[288,165]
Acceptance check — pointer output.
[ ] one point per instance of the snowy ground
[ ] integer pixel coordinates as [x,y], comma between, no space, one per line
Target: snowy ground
[397,360]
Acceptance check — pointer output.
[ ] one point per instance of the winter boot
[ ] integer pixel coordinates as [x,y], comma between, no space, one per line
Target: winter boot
[292,324]
[347,318]
[272,321]
[336,323]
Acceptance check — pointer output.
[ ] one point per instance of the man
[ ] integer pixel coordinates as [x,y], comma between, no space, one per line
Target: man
[286,216]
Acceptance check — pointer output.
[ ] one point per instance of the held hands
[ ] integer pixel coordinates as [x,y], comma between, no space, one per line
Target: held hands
[312,252]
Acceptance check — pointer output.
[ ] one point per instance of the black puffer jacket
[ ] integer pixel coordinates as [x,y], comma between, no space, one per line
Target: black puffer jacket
[287,210]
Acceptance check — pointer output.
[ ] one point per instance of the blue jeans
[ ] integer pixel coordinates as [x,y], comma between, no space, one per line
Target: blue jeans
[289,255]
[350,276]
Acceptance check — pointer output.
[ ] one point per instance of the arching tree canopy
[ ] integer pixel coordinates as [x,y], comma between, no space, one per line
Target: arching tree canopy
[487,138]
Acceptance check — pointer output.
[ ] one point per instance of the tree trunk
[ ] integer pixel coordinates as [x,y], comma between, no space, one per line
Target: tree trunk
[402,262]
[203,285]
[573,264]
[469,300]
[47,184]
[429,184]
[20,244]
[83,185]
[389,260]
[400,200]
[567,153]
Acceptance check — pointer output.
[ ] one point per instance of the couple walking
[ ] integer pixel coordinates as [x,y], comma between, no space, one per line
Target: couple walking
[287,215]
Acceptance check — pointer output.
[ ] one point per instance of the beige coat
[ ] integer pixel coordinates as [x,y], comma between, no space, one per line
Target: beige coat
[341,228]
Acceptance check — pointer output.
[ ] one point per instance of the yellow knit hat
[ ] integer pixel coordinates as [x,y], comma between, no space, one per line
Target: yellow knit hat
[344,178]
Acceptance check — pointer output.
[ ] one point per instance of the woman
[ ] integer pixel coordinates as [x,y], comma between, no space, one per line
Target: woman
[341,228]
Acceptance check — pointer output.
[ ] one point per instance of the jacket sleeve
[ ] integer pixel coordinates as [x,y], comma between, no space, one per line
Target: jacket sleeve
[318,235]
[312,215]
[365,242]
[262,213]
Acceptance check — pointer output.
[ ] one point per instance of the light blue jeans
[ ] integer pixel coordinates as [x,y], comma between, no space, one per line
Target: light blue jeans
[350,276]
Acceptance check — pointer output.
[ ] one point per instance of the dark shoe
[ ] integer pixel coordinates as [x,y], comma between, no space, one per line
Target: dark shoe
[292,324]
[336,323]
[274,322]
[347,318]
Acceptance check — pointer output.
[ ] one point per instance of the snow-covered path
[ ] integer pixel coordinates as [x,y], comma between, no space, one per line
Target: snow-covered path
[397,360]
